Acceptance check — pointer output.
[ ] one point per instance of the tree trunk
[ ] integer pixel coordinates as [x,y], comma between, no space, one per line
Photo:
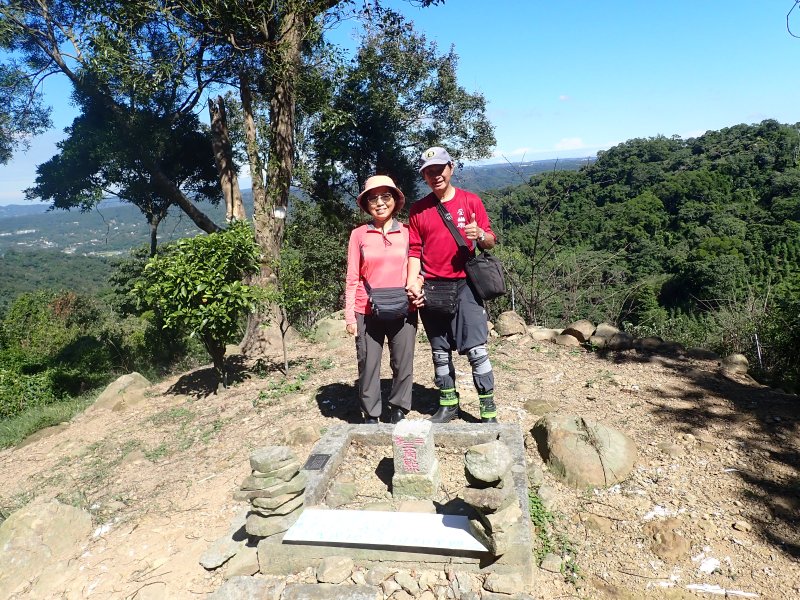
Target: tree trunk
[167,189]
[269,226]
[223,156]
[153,237]
[217,353]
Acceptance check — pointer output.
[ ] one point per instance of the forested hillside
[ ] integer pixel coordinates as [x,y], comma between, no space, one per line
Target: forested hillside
[696,240]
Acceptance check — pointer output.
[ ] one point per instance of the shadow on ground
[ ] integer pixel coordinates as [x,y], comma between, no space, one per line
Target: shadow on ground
[772,419]
[204,381]
[340,401]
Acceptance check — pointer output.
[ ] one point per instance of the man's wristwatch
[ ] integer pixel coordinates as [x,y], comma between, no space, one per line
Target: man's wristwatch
[482,236]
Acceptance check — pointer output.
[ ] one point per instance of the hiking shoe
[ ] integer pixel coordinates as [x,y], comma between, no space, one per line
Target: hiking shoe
[396,414]
[370,420]
[445,414]
[488,408]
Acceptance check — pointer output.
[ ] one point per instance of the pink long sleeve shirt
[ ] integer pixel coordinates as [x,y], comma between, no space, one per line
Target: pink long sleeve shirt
[381,260]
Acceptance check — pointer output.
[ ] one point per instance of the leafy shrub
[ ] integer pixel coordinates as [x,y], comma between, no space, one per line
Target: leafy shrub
[196,287]
[313,263]
[63,334]
[19,391]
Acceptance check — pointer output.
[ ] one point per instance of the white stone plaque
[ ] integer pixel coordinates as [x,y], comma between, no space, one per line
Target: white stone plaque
[383,528]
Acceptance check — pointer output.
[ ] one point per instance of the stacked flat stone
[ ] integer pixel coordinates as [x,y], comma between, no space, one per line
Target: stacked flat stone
[416,468]
[275,491]
[491,493]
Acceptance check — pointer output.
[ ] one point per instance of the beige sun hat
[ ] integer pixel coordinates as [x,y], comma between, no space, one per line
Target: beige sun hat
[377,181]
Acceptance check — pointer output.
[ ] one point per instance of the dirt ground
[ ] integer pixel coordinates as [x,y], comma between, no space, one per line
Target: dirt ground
[718,453]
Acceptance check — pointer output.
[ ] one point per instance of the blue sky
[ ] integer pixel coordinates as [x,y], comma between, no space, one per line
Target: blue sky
[568,79]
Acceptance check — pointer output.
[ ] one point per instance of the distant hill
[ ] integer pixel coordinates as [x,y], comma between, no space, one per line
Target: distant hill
[113,228]
[491,177]
[21,210]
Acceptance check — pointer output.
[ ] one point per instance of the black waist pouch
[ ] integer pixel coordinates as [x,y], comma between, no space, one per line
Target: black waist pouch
[441,295]
[388,303]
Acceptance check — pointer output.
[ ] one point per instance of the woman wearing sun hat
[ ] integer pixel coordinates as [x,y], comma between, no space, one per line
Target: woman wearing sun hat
[377,259]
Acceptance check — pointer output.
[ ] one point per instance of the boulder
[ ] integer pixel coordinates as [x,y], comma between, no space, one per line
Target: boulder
[735,363]
[543,334]
[126,391]
[702,354]
[271,458]
[606,330]
[331,332]
[510,323]
[488,462]
[334,569]
[37,537]
[598,341]
[648,344]
[671,349]
[568,340]
[620,341]
[584,453]
[226,547]
[582,330]
[302,434]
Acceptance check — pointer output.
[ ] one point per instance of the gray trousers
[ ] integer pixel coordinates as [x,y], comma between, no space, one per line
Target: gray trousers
[465,330]
[402,337]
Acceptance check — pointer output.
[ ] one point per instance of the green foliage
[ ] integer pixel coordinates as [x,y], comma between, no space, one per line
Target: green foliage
[16,428]
[33,270]
[196,286]
[399,95]
[550,540]
[23,114]
[54,345]
[780,332]
[693,240]
[312,265]
[103,152]
[20,391]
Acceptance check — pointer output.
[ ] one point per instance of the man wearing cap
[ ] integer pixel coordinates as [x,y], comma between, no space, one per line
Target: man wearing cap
[434,253]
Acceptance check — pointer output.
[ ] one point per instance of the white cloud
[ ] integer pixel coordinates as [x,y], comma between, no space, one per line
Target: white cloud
[515,152]
[570,144]
[564,98]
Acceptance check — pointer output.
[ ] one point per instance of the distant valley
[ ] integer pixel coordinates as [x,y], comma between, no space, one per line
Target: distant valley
[76,250]
[113,228]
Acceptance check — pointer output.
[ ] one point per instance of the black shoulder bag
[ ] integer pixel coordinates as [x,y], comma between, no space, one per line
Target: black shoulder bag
[484,271]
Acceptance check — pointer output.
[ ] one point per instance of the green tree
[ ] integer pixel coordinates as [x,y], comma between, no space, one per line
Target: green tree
[102,156]
[131,66]
[195,286]
[398,95]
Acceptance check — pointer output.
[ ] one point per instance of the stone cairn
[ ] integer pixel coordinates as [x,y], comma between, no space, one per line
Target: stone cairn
[275,491]
[416,468]
[491,493]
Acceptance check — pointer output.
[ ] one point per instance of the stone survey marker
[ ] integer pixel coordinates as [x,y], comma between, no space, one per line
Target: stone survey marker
[384,529]
[416,468]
